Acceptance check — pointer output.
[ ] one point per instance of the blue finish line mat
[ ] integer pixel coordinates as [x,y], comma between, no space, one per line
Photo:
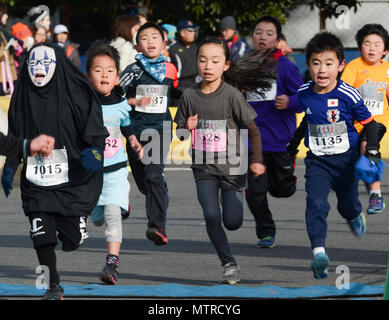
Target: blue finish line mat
[185,291]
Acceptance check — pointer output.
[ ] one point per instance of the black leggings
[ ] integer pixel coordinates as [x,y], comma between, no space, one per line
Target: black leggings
[231,215]
[46,257]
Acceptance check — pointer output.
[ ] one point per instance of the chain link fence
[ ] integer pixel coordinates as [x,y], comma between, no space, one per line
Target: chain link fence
[304,23]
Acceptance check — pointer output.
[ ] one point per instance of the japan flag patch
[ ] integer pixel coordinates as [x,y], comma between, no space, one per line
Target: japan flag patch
[332,102]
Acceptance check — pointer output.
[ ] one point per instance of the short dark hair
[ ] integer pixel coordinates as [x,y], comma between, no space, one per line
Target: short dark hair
[324,41]
[102,48]
[369,29]
[149,25]
[272,20]
[216,41]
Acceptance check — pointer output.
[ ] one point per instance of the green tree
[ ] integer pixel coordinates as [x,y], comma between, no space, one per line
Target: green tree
[208,13]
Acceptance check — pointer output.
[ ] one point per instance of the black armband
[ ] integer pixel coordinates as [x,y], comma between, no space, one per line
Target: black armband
[371,135]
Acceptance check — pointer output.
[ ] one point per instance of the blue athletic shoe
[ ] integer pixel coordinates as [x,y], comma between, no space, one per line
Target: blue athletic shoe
[376,204]
[319,266]
[358,225]
[266,242]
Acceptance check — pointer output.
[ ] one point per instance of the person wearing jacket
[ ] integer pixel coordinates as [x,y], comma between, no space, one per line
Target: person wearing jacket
[61,37]
[237,45]
[277,122]
[123,31]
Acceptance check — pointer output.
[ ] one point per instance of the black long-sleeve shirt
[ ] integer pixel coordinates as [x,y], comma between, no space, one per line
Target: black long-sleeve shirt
[10,145]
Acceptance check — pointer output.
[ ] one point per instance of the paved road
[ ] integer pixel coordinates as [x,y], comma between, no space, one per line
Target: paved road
[189,258]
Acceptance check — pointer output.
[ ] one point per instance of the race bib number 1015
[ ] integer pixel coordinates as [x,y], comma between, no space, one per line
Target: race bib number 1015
[48,171]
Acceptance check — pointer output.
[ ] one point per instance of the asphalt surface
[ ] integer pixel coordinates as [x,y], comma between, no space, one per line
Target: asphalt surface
[189,258]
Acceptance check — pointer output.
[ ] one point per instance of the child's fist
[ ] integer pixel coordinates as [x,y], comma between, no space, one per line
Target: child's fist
[191,122]
[257,169]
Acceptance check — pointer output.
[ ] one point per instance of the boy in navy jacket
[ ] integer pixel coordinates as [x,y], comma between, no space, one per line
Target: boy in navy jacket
[148,83]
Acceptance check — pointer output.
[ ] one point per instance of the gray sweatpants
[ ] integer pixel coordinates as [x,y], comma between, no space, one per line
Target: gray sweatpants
[113,223]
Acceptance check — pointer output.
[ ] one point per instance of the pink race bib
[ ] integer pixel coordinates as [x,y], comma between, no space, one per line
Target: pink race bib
[210,136]
[113,143]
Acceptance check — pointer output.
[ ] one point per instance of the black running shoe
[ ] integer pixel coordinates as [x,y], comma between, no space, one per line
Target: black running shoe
[157,235]
[110,272]
[124,213]
[54,293]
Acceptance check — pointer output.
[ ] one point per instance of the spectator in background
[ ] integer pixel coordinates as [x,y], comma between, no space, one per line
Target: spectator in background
[142,18]
[283,45]
[123,33]
[40,17]
[7,65]
[11,44]
[285,48]
[3,18]
[39,34]
[22,32]
[229,33]
[61,39]
[183,54]
[169,31]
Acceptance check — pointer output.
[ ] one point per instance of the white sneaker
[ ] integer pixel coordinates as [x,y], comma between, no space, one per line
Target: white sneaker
[230,274]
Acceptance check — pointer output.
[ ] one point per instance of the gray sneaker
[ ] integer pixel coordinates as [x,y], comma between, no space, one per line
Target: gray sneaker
[230,274]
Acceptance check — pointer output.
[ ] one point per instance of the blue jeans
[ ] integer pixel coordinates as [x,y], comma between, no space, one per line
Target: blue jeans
[231,214]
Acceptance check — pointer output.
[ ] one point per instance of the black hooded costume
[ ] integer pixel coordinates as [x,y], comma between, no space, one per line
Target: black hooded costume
[68,109]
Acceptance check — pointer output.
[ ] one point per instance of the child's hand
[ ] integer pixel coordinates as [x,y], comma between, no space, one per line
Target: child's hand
[257,169]
[42,144]
[143,102]
[136,146]
[191,122]
[281,102]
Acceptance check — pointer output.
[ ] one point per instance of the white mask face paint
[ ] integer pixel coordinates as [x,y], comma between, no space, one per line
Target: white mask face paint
[41,65]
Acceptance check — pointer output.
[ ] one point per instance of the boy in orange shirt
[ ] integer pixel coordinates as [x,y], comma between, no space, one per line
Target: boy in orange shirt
[370,75]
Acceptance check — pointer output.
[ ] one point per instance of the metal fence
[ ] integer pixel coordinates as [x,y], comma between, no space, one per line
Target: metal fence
[304,23]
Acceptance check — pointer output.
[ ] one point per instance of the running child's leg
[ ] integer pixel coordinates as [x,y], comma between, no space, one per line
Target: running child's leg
[349,206]
[157,201]
[71,231]
[43,236]
[256,197]
[113,237]
[208,195]
[46,257]
[232,202]
[113,224]
[317,186]
[376,200]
